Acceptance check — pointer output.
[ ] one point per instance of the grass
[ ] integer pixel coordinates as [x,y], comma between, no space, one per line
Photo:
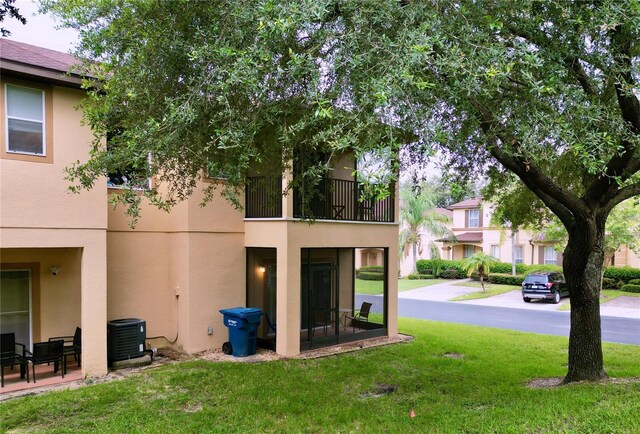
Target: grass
[374,287]
[483,391]
[492,289]
[605,296]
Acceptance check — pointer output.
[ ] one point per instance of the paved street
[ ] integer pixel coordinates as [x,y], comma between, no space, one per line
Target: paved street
[620,321]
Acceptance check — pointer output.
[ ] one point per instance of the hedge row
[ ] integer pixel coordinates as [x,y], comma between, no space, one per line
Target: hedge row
[364,275]
[371,272]
[373,268]
[635,281]
[505,279]
[418,276]
[626,274]
[630,287]
[425,266]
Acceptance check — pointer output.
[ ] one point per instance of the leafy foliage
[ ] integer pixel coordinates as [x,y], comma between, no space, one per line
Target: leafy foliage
[543,93]
[629,287]
[506,279]
[625,274]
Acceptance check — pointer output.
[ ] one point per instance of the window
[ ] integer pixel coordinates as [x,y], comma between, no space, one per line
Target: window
[495,251]
[550,255]
[469,250]
[518,254]
[25,120]
[474,218]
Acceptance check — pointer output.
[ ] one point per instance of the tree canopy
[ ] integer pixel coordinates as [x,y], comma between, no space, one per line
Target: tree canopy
[545,92]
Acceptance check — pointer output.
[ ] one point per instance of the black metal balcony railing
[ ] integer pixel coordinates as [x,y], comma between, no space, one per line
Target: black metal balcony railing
[263,197]
[333,199]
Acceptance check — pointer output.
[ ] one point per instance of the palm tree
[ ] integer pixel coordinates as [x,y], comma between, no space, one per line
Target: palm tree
[481,263]
[419,218]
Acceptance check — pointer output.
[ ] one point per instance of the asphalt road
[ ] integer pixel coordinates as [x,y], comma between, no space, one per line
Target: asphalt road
[614,329]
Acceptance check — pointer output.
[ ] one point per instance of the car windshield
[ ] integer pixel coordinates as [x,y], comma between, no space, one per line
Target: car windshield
[536,278]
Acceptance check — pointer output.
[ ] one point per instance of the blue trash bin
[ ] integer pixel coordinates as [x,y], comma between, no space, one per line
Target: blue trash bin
[242,323]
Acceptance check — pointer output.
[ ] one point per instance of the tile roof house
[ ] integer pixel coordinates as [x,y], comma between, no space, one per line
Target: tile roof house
[71,260]
[471,225]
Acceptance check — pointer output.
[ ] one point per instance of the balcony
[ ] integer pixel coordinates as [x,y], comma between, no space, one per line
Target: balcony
[334,199]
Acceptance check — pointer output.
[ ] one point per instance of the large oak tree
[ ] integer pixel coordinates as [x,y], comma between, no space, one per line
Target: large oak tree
[543,90]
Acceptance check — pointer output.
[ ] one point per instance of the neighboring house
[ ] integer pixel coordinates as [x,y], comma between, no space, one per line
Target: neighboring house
[406,258]
[474,233]
[72,260]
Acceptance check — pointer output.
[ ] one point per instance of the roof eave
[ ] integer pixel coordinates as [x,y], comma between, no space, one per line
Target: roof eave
[21,70]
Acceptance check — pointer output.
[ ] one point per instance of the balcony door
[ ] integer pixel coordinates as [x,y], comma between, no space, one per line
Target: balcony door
[15,304]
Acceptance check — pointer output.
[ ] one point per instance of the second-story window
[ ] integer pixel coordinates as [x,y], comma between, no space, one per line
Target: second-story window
[25,120]
[474,218]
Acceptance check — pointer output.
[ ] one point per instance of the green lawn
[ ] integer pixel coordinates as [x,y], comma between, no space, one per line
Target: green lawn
[491,290]
[605,296]
[484,390]
[374,287]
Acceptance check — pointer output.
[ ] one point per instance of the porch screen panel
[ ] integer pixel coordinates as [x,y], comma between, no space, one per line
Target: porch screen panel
[15,294]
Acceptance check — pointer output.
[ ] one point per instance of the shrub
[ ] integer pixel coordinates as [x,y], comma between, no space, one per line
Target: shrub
[364,275]
[609,283]
[424,265]
[541,267]
[635,281]
[626,274]
[505,279]
[452,274]
[505,268]
[372,269]
[630,287]
[418,276]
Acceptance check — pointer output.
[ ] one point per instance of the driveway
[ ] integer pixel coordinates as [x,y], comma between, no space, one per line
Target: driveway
[625,307]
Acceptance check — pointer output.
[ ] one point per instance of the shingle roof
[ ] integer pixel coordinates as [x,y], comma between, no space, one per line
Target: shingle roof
[469,203]
[35,56]
[445,212]
[467,237]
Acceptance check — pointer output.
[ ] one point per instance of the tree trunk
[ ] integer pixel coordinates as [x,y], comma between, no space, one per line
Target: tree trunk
[583,263]
[414,247]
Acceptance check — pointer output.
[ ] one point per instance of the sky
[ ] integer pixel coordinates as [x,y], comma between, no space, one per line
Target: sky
[40,30]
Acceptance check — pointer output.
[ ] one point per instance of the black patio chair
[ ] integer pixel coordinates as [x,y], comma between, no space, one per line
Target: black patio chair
[321,319]
[48,352]
[72,346]
[11,354]
[362,315]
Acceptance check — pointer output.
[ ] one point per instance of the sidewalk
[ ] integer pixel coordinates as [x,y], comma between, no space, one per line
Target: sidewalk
[625,307]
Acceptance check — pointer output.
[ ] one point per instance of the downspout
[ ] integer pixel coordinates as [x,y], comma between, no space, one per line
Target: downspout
[532,250]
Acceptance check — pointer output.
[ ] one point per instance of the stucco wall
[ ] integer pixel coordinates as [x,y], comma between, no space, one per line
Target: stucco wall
[35,194]
[176,270]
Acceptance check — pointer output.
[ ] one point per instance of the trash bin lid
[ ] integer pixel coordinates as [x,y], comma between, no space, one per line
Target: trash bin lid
[241,312]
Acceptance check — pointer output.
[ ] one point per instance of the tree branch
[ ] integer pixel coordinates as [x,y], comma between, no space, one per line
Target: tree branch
[574,65]
[561,202]
[625,164]
[623,194]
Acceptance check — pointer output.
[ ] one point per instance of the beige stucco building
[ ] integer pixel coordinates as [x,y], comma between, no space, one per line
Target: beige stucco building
[70,260]
[474,232]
